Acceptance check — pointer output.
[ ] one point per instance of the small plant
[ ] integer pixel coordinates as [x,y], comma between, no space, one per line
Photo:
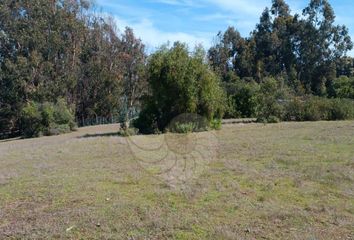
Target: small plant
[183,127]
[215,124]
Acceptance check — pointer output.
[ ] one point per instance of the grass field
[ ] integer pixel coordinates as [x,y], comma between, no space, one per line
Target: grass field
[253,181]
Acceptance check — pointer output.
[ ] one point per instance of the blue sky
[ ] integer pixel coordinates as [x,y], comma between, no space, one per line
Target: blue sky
[198,21]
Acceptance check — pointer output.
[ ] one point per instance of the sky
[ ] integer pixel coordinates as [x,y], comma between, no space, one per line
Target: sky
[198,21]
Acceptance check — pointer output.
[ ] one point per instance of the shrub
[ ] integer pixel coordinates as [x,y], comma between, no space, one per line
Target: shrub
[31,120]
[273,119]
[147,120]
[294,110]
[215,124]
[342,109]
[63,115]
[183,127]
[242,99]
[56,129]
[269,105]
[344,87]
[46,118]
[180,82]
[318,108]
[187,122]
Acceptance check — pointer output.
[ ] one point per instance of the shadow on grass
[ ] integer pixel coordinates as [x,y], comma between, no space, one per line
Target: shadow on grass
[111,134]
[11,139]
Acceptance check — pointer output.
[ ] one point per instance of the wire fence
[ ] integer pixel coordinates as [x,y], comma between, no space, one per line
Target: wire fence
[113,119]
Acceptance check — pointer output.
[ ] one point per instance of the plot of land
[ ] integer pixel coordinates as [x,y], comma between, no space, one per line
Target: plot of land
[246,181]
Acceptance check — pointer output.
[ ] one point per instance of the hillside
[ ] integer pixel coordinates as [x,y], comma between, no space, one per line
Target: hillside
[254,181]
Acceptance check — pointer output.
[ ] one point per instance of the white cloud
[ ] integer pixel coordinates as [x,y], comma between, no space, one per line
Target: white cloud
[189,3]
[154,37]
[213,17]
[247,7]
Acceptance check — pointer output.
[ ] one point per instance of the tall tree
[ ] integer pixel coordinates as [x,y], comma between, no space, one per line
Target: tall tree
[133,60]
[321,43]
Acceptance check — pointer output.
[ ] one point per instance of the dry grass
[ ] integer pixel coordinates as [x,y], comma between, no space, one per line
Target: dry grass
[277,181]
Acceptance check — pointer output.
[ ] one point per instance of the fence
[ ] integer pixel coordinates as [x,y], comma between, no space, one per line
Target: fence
[98,120]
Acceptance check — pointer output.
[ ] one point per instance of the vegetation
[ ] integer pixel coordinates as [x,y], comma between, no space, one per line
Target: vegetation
[46,119]
[61,49]
[62,65]
[180,83]
[276,181]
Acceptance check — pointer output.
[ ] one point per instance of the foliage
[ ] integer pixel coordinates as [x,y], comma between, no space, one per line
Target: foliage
[308,50]
[344,87]
[183,127]
[31,120]
[242,98]
[269,101]
[46,119]
[215,124]
[317,108]
[62,49]
[180,83]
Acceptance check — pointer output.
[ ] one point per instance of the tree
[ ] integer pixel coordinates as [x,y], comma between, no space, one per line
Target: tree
[133,60]
[179,83]
[264,48]
[320,44]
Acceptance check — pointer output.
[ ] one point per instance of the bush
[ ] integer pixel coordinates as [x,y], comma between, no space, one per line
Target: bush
[63,114]
[269,102]
[344,87]
[215,124]
[56,129]
[147,120]
[342,109]
[180,82]
[317,108]
[31,120]
[187,122]
[46,118]
[242,99]
[294,110]
[183,127]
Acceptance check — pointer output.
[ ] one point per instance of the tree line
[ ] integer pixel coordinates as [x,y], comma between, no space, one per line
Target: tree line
[60,49]
[61,63]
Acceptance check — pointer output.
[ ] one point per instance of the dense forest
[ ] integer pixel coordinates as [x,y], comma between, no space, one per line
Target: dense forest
[62,65]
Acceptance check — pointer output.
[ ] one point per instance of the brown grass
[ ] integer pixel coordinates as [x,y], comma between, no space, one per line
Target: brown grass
[254,181]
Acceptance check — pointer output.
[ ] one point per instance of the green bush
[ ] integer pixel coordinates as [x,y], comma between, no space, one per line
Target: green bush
[242,99]
[63,114]
[183,127]
[294,110]
[342,109]
[269,106]
[31,120]
[147,120]
[179,82]
[344,87]
[57,129]
[318,108]
[46,118]
[215,124]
